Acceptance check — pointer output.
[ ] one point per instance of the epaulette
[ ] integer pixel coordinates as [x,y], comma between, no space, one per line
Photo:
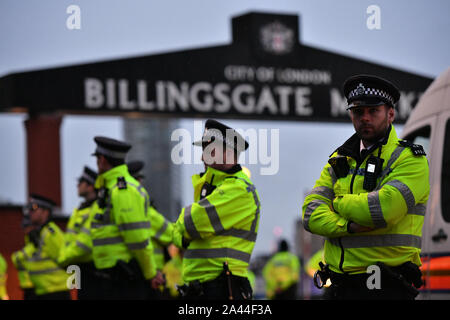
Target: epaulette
[121,183]
[51,229]
[416,149]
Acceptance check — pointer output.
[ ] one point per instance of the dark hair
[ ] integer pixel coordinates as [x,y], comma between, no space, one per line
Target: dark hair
[114,162]
[283,246]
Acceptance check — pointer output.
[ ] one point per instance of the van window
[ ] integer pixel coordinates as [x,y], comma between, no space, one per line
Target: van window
[445,175]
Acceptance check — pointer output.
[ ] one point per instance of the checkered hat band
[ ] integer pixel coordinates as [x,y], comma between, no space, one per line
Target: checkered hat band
[88,178]
[218,137]
[371,92]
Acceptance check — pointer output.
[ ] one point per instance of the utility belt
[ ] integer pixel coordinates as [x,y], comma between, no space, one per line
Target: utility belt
[122,271]
[407,275]
[225,286]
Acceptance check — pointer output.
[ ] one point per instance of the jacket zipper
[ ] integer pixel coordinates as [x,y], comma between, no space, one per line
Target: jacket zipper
[341,262]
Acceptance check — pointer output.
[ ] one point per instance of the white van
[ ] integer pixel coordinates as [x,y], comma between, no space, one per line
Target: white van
[429,125]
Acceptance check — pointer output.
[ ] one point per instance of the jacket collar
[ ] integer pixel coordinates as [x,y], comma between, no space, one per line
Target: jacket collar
[351,147]
[107,178]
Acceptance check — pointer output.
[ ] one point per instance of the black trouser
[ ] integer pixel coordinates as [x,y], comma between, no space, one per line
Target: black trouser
[354,287]
[90,283]
[28,294]
[122,282]
[222,288]
[59,295]
[289,293]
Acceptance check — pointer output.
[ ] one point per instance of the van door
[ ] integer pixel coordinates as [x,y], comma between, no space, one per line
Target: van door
[436,230]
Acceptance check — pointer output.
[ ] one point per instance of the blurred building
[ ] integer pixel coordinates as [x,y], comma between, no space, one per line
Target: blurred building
[152,144]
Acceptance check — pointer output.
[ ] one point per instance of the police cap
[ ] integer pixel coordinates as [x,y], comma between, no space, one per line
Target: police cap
[135,167]
[368,90]
[111,148]
[88,175]
[219,133]
[37,200]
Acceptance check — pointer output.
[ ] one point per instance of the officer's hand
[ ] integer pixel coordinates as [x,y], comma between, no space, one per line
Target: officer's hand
[356,228]
[157,280]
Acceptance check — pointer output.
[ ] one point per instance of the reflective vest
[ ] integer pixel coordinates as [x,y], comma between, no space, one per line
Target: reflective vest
[77,239]
[281,272]
[120,229]
[3,269]
[173,272]
[220,226]
[161,233]
[18,259]
[395,208]
[45,274]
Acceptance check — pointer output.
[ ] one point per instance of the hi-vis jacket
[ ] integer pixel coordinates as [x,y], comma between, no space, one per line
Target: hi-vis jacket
[395,208]
[281,272]
[77,239]
[220,226]
[3,277]
[161,235]
[40,261]
[120,229]
[18,259]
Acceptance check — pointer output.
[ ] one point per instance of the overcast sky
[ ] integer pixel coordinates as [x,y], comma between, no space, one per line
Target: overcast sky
[33,35]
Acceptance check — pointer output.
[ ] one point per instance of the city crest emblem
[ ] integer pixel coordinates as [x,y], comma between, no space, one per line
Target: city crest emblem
[276,38]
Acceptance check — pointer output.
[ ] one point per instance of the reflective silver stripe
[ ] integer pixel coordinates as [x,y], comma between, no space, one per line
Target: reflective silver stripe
[69,230]
[373,199]
[312,205]
[382,240]
[138,245]
[332,175]
[189,223]
[44,271]
[394,156]
[134,226]
[217,253]
[251,188]
[212,215]
[85,230]
[83,246]
[106,241]
[240,233]
[405,191]
[418,210]
[322,191]
[161,230]
[96,225]
[39,258]
[158,251]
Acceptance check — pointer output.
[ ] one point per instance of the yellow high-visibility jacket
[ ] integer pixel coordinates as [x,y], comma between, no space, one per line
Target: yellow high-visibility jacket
[120,229]
[3,277]
[220,226]
[40,261]
[161,235]
[281,272]
[77,239]
[18,259]
[395,208]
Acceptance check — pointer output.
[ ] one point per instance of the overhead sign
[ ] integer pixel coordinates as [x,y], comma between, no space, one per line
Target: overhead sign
[265,73]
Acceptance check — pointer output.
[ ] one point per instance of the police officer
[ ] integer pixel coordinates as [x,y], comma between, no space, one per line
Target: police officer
[18,257]
[370,201]
[218,230]
[120,229]
[282,273]
[43,241]
[3,278]
[161,228]
[77,247]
